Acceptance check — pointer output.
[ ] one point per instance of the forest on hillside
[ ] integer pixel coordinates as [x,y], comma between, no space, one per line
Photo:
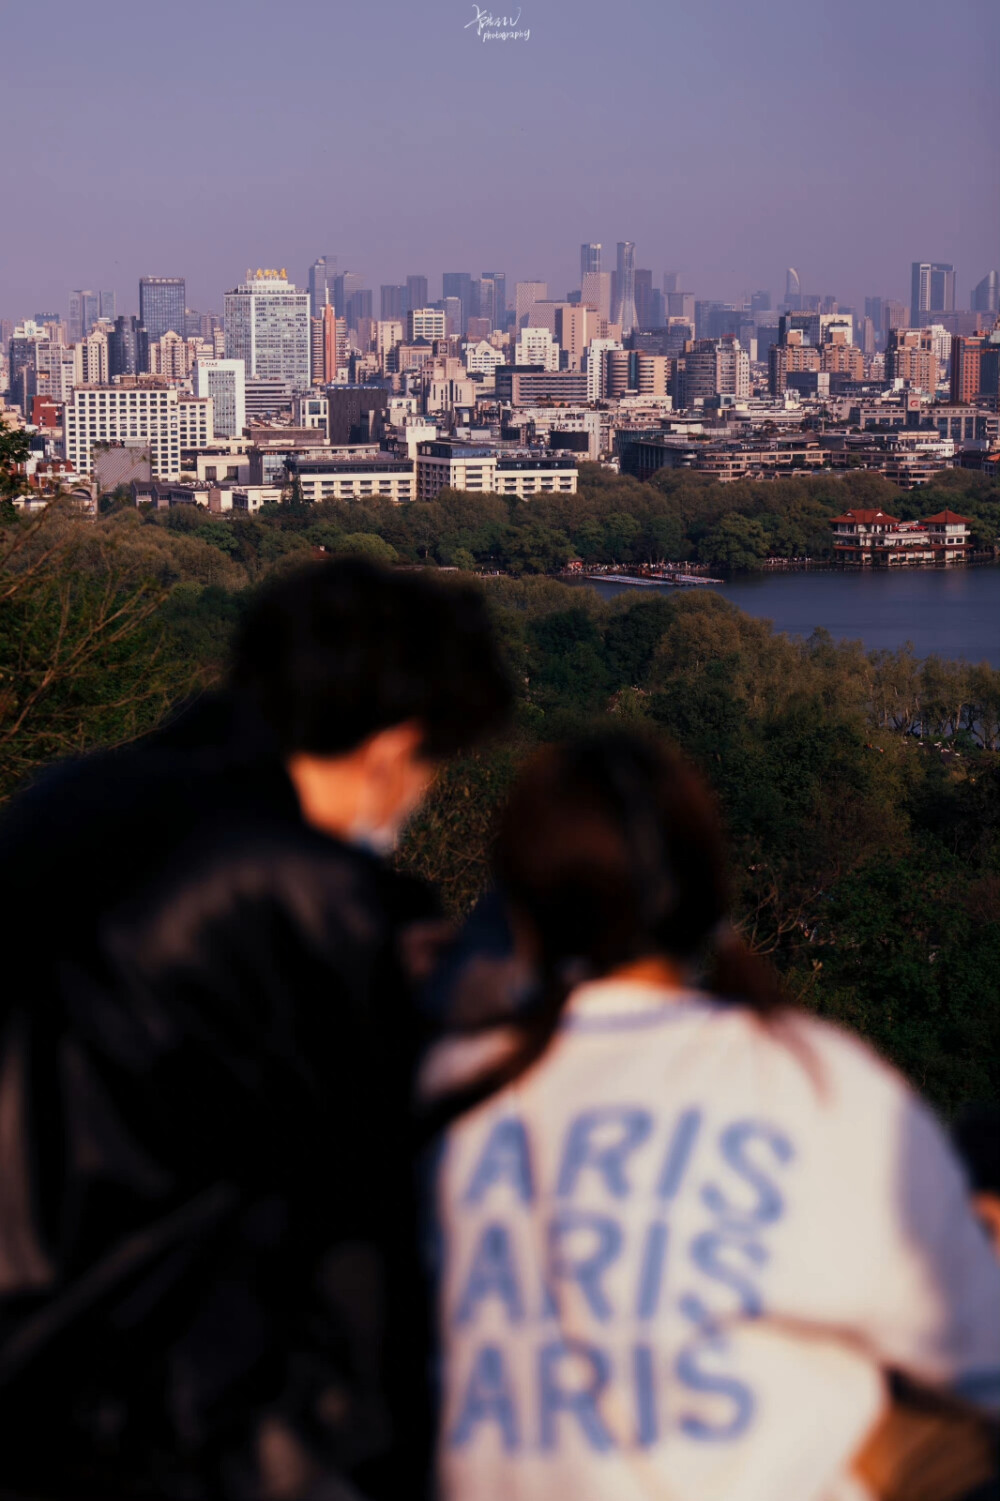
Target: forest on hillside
[676,517]
[861,789]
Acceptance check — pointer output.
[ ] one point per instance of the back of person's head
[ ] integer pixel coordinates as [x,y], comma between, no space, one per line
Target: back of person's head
[336,651]
[611,850]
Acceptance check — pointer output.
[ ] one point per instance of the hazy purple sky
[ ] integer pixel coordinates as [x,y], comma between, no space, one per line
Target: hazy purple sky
[728,140]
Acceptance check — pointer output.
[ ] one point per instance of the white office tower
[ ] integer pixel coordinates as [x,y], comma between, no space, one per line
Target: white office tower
[225,382]
[267,327]
[596,367]
[536,346]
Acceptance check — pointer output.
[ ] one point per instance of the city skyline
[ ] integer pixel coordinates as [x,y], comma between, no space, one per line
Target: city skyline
[772,176]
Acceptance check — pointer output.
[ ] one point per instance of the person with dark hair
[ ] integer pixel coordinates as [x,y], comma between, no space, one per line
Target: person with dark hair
[208,1253]
[686,1232]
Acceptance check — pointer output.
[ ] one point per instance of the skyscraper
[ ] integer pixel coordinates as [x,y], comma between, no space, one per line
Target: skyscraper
[162,300]
[84,311]
[225,382]
[493,298]
[793,286]
[932,291]
[526,294]
[986,294]
[458,284]
[760,302]
[596,292]
[358,306]
[392,301]
[344,286]
[267,327]
[590,259]
[109,307]
[320,276]
[128,348]
[624,310]
[416,292]
[644,309]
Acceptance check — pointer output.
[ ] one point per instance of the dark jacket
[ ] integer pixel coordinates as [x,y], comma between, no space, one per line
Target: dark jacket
[209,1281]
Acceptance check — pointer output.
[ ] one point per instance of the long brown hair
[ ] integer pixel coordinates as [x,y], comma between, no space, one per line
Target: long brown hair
[610,850]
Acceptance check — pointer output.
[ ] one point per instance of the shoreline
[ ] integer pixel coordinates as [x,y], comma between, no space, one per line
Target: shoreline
[691,574]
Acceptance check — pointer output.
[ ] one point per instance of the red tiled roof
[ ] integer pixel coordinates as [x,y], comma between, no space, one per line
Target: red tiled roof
[948,518]
[867,518]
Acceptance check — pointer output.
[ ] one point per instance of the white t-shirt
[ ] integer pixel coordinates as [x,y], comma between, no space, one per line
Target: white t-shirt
[679,1252]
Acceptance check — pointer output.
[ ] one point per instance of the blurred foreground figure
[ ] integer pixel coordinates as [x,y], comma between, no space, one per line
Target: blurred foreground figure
[695,1245]
[976,1135]
[206,1053]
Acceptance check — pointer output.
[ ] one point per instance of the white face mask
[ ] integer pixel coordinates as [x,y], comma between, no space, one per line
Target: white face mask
[381,841]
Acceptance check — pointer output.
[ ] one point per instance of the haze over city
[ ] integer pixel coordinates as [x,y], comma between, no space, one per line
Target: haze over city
[727,142]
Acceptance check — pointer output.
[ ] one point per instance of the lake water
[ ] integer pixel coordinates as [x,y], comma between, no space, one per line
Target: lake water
[954,612]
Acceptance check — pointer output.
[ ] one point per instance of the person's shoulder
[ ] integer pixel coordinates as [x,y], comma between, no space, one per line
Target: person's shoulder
[846,1067]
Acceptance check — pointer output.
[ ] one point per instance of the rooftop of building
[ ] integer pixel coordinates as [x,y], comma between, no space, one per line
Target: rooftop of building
[345,461]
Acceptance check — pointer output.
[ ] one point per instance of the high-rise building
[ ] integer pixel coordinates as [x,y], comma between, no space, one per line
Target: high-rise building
[596,291]
[357,307]
[416,292]
[91,355]
[526,294]
[458,284]
[714,367]
[388,333]
[644,299]
[109,308]
[84,311]
[894,314]
[425,323]
[162,300]
[624,310]
[966,358]
[792,356]
[989,368]
[680,305]
[21,355]
[267,327]
[875,311]
[321,274]
[317,352]
[392,302]
[932,291]
[493,298]
[330,346]
[357,413]
[536,346]
[793,289]
[576,326]
[128,348]
[225,382]
[119,414]
[590,259]
[760,302]
[910,356]
[596,367]
[344,285]
[172,356]
[670,280]
[986,294]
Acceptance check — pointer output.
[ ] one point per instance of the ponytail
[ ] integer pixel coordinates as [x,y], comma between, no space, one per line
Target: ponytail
[610,851]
